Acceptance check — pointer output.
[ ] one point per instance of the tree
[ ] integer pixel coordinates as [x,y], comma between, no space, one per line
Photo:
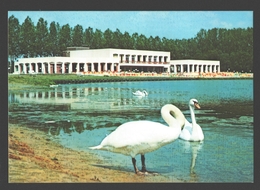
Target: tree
[108,39]
[117,38]
[97,39]
[27,44]
[134,40]
[53,39]
[88,37]
[64,38]
[233,47]
[142,42]
[41,38]
[77,36]
[126,41]
[13,40]
[157,44]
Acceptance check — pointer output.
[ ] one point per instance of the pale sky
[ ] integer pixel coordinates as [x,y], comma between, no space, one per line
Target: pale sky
[169,24]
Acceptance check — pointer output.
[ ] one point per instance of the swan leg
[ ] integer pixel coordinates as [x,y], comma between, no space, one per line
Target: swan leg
[143,163]
[135,167]
[144,167]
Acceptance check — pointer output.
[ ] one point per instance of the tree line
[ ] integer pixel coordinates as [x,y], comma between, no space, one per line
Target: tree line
[233,47]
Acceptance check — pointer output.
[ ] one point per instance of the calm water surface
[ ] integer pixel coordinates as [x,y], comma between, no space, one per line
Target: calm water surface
[80,115]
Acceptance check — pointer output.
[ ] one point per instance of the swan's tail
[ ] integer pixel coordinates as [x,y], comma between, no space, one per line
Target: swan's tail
[95,147]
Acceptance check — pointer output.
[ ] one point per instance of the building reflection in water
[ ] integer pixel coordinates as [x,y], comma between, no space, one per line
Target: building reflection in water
[86,98]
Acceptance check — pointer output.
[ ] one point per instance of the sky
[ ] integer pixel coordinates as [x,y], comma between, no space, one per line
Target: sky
[168,24]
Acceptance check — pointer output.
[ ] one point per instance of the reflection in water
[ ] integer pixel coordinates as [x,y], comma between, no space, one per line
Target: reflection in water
[194,148]
[79,116]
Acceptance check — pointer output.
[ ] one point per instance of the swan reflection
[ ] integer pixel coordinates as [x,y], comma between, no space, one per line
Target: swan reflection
[194,148]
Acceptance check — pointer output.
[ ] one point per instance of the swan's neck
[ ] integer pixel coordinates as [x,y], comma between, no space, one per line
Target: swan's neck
[193,119]
[178,119]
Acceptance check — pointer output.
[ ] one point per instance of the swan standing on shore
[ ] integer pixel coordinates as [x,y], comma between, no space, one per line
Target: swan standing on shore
[140,93]
[192,131]
[140,137]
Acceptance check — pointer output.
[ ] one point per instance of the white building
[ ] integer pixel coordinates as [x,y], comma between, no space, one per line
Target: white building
[86,60]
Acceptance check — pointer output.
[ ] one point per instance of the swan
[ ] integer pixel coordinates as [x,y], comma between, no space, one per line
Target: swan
[192,131]
[140,93]
[140,137]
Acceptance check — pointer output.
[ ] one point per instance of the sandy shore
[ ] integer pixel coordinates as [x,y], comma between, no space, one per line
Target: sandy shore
[33,158]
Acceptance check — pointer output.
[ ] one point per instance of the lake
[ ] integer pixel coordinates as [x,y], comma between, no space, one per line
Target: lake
[81,115]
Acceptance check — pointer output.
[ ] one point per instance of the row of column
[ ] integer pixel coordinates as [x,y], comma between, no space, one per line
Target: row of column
[196,68]
[78,67]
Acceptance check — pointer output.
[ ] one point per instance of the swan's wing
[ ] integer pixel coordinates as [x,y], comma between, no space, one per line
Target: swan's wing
[138,93]
[139,132]
[186,131]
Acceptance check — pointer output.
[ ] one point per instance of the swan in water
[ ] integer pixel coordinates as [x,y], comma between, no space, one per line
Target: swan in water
[140,93]
[140,137]
[192,131]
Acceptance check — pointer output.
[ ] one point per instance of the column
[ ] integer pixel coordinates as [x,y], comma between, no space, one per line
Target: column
[105,67]
[181,68]
[36,68]
[118,67]
[85,67]
[92,67]
[70,67]
[78,70]
[112,67]
[98,67]
[188,68]
[43,68]
[49,68]
[175,69]
[55,67]
[24,68]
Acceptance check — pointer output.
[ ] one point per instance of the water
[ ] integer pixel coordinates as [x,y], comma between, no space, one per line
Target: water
[80,115]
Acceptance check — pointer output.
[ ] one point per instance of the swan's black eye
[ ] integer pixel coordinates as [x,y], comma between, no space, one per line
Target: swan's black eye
[195,102]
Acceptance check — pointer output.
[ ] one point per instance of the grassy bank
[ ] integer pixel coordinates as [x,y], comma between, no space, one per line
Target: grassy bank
[46,80]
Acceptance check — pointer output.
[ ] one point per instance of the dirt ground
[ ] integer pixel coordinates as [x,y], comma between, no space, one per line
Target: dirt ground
[33,158]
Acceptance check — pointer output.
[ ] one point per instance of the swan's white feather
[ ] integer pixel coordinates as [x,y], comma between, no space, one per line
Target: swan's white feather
[139,137]
[187,132]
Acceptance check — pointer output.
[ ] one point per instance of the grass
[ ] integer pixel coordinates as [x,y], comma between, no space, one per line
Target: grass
[46,80]
[43,80]
[50,79]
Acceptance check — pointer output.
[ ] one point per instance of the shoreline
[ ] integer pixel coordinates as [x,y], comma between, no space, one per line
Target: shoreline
[31,152]
[25,82]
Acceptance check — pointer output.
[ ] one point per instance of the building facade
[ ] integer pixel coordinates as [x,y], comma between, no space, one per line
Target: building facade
[80,60]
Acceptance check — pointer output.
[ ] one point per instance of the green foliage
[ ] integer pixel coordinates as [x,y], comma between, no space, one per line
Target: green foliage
[233,47]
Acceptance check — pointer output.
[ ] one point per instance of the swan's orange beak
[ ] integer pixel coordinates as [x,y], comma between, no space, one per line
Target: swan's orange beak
[196,105]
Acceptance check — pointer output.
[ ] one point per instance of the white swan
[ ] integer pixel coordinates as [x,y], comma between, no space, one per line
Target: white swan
[192,131]
[141,137]
[140,93]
